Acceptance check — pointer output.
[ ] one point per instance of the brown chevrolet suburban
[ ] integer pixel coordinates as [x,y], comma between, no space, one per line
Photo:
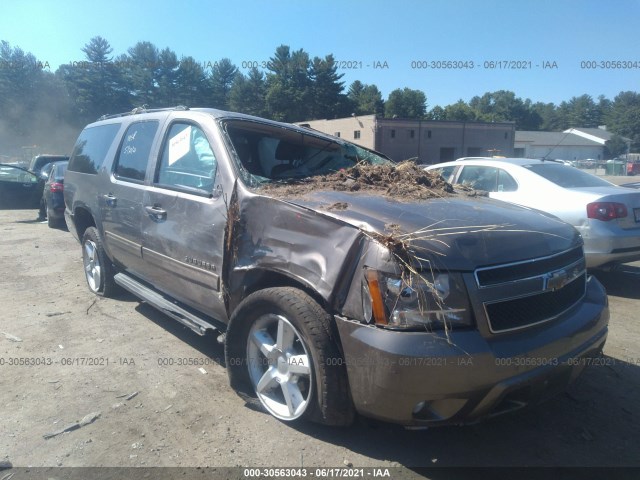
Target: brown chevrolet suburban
[335,289]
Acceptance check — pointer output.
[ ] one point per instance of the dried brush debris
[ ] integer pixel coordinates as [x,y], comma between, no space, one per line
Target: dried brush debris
[405,182]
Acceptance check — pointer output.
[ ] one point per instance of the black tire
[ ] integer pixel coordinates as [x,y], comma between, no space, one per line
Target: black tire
[42,212]
[53,222]
[98,269]
[57,223]
[322,395]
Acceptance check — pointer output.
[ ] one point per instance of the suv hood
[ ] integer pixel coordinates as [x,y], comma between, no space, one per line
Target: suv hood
[462,233]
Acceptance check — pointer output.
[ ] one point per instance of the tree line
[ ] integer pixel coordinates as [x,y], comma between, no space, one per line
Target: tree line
[47,108]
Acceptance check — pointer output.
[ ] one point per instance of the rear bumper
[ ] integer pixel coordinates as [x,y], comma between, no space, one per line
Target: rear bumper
[415,378]
[611,246]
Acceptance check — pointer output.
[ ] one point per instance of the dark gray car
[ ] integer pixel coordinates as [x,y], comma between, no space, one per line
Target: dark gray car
[338,282]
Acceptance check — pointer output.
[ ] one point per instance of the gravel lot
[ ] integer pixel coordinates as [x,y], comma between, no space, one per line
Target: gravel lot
[112,358]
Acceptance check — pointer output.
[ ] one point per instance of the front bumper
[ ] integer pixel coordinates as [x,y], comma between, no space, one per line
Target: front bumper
[421,378]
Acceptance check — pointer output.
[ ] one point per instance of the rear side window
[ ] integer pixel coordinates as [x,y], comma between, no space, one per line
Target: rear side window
[506,183]
[133,155]
[91,148]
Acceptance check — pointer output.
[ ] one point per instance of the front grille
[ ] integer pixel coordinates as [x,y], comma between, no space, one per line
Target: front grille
[486,277]
[520,294]
[532,309]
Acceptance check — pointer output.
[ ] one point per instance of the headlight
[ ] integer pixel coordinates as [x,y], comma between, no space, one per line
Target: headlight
[429,301]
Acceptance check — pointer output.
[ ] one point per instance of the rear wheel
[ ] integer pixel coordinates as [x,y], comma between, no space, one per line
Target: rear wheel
[51,220]
[98,269]
[279,348]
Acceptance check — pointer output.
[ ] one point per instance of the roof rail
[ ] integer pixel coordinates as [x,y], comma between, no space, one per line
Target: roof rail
[144,109]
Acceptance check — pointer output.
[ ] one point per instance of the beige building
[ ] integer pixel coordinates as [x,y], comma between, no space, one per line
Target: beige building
[428,141]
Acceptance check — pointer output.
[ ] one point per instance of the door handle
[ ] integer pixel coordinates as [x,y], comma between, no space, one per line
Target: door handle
[156,212]
[110,200]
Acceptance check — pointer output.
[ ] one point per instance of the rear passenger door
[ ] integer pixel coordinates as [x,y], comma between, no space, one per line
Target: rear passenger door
[121,202]
[183,220]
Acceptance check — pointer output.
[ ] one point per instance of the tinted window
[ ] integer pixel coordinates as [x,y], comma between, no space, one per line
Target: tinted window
[187,159]
[565,176]
[133,155]
[91,148]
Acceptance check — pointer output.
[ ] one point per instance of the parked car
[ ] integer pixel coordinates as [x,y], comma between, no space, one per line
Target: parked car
[631,185]
[52,197]
[39,163]
[22,187]
[332,296]
[633,168]
[607,216]
[19,188]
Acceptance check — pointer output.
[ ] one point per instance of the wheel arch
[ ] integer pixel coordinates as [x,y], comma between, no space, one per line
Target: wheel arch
[243,283]
[82,219]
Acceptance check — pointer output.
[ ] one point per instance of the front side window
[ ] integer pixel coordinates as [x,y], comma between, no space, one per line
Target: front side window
[133,156]
[187,159]
[13,174]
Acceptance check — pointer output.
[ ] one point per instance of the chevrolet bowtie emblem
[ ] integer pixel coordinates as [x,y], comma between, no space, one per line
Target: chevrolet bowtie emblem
[556,280]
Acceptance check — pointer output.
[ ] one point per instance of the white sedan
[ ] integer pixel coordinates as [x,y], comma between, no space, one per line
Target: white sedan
[607,216]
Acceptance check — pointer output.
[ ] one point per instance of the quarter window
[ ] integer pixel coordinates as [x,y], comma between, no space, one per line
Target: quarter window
[91,148]
[133,156]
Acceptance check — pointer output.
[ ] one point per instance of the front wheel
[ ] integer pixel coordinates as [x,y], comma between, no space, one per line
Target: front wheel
[279,348]
[98,269]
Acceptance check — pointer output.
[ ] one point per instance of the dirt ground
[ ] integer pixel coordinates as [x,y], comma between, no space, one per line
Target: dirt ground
[155,394]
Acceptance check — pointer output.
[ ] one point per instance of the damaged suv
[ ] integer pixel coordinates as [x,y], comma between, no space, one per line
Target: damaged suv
[339,282]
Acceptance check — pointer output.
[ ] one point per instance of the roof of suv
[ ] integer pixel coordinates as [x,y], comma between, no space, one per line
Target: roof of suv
[211,111]
[215,113]
[223,114]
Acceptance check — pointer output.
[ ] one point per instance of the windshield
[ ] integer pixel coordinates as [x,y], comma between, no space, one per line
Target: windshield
[268,153]
[567,177]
